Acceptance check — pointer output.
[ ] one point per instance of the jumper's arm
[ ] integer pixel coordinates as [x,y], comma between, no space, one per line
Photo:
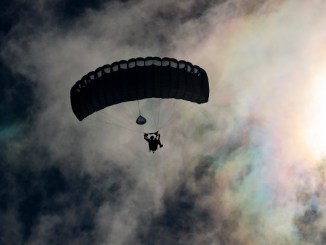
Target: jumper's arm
[146,137]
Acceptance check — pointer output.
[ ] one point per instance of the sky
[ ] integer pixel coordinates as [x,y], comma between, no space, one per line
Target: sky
[246,168]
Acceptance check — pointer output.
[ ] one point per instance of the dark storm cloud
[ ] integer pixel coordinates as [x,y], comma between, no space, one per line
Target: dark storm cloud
[181,217]
[47,206]
[12,12]
[68,11]
[309,222]
[309,228]
[16,103]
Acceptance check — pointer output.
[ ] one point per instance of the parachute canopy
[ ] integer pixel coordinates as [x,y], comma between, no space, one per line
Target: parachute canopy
[137,79]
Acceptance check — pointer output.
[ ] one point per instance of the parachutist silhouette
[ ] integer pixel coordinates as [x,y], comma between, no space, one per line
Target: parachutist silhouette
[136,79]
[153,141]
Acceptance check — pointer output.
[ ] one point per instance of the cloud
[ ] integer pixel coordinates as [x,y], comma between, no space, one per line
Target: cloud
[230,171]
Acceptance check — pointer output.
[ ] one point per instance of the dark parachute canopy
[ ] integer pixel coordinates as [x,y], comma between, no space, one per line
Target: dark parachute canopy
[137,79]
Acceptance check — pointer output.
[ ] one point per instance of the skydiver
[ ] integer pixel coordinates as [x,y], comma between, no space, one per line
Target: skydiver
[153,141]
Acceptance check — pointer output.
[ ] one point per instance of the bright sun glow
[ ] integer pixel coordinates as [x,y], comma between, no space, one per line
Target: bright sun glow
[316,120]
